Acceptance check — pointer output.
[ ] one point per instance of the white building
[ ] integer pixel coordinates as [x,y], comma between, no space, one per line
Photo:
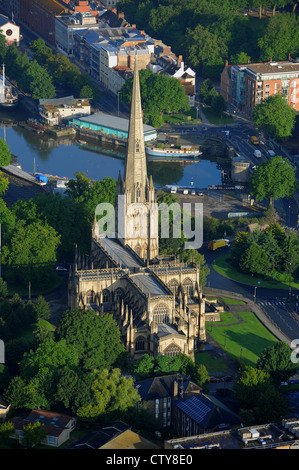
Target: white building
[10,31]
[54,111]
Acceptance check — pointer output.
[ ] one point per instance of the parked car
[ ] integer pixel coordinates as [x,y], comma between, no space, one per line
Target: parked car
[284,383]
[214,380]
[293,381]
[229,378]
[193,192]
[201,194]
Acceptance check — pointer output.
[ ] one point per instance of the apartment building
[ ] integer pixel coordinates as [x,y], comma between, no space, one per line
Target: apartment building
[244,86]
[39,16]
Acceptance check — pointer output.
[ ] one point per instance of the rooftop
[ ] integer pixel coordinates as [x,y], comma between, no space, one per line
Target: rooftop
[112,122]
[274,67]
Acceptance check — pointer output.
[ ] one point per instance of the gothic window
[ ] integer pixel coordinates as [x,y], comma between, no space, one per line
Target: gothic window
[139,344]
[174,286]
[138,194]
[161,314]
[118,295]
[90,296]
[172,350]
[106,296]
[188,286]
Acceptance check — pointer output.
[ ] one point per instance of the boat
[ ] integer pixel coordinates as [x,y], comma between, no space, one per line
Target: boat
[8,97]
[183,151]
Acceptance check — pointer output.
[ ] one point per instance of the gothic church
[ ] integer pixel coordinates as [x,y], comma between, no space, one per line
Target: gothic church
[157,302]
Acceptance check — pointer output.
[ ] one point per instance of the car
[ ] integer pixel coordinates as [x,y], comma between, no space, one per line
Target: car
[193,192]
[228,378]
[185,191]
[61,268]
[283,383]
[214,380]
[200,194]
[293,382]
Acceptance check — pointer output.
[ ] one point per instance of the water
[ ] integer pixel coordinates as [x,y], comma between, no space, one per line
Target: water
[65,158]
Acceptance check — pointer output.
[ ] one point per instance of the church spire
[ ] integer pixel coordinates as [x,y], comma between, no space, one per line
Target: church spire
[135,170]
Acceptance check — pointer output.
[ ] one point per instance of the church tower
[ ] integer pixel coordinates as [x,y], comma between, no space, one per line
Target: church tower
[137,220]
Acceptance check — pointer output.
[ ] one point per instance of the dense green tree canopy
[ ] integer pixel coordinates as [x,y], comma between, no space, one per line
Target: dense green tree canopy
[275,116]
[276,360]
[159,94]
[96,338]
[273,179]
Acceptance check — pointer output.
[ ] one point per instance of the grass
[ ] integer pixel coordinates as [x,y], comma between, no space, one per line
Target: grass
[244,340]
[181,118]
[232,301]
[216,119]
[223,266]
[212,365]
[23,291]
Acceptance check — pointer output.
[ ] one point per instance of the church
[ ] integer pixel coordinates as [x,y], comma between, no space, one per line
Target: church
[157,302]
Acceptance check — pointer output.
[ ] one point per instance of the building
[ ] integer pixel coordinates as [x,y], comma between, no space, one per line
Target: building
[4,408]
[244,86]
[39,16]
[67,25]
[165,62]
[58,427]
[112,125]
[10,31]
[282,435]
[157,303]
[160,394]
[201,414]
[54,111]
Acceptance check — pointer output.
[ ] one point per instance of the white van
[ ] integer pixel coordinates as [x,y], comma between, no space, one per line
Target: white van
[173,190]
[185,191]
[257,153]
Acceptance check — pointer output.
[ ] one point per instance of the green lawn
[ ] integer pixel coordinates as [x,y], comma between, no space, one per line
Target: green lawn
[216,119]
[244,340]
[233,301]
[212,365]
[223,266]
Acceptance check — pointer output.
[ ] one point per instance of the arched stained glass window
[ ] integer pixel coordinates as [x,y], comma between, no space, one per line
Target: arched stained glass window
[161,314]
[172,350]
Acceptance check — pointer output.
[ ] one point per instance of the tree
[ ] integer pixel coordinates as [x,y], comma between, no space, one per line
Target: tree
[281,38]
[33,434]
[255,260]
[96,338]
[159,94]
[276,360]
[111,393]
[275,116]
[37,81]
[31,253]
[5,154]
[42,308]
[273,179]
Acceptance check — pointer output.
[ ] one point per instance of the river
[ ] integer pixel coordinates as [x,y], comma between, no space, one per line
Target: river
[65,157]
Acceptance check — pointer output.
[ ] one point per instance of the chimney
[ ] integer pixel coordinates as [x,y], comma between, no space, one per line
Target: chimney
[114,10]
[175,389]
[180,59]
[226,63]
[121,15]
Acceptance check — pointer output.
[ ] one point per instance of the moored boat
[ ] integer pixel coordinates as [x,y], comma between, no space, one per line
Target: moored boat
[8,98]
[183,151]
